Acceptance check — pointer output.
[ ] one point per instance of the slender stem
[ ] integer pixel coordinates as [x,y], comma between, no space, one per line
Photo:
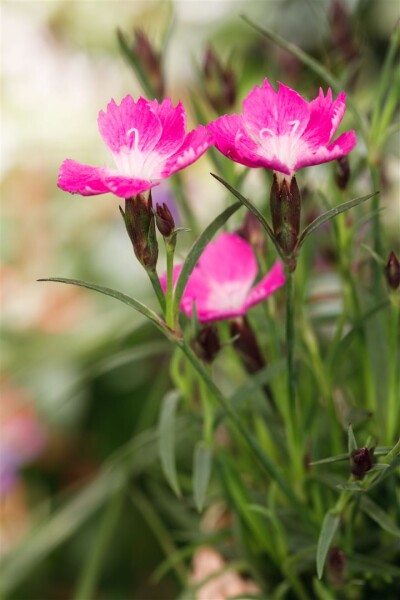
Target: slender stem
[291,416]
[394,380]
[169,296]
[155,282]
[91,572]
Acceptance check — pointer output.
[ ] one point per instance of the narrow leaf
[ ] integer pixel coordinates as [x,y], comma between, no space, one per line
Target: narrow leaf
[352,442]
[328,530]
[201,473]
[379,516]
[197,249]
[166,430]
[144,310]
[330,214]
[253,209]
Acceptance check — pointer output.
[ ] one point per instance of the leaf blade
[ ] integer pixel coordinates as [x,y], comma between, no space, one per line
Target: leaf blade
[202,465]
[166,447]
[328,530]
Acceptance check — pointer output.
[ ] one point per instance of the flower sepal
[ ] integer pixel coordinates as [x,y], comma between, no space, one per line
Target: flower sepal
[285,212]
[140,224]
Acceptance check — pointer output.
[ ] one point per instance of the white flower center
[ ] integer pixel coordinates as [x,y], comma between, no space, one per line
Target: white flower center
[229,295]
[134,163]
[285,147]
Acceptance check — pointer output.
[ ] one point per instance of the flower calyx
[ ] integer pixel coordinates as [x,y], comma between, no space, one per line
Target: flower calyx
[285,212]
[392,271]
[140,225]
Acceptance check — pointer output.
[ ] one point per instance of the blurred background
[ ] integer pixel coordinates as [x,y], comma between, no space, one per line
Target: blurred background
[78,369]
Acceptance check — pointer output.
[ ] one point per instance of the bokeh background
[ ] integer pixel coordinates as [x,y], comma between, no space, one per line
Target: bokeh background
[78,370]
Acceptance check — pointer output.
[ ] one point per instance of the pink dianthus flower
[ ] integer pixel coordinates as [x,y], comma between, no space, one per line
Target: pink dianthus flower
[221,284]
[148,142]
[279,130]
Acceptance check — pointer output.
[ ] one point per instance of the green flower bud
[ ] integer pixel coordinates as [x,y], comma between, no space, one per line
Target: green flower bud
[140,225]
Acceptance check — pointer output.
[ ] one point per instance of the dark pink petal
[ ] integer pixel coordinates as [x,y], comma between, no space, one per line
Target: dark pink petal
[77,178]
[271,282]
[125,187]
[130,125]
[325,117]
[267,113]
[173,123]
[340,147]
[194,146]
[225,130]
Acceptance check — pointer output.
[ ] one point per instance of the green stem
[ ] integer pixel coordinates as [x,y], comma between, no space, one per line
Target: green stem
[90,575]
[291,416]
[394,380]
[264,461]
[155,282]
[169,295]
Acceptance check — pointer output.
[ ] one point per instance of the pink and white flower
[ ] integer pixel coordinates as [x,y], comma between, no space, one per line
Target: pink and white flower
[282,131]
[148,142]
[221,284]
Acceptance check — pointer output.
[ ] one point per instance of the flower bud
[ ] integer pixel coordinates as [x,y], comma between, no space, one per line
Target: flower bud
[246,345]
[164,220]
[285,211]
[220,83]
[342,172]
[392,271]
[140,225]
[207,343]
[361,462]
[251,231]
[336,565]
[150,61]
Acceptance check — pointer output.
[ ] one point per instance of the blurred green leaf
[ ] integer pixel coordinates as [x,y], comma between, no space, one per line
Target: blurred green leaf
[379,516]
[202,465]
[197,249]
[328,530]
[166,431]
[352,442]
[135,64]
[368,565]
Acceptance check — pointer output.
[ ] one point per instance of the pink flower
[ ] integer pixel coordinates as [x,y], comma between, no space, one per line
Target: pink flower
[148,143]
[221,282]
[282,131]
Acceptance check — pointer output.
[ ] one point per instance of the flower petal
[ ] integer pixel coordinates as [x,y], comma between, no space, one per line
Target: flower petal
[255,155]
[325,117]
[173,123]
[341,146]
[194,146]
[268,113]
[77,178]
[132,125]
[225,131]
[125,187]
[274,279]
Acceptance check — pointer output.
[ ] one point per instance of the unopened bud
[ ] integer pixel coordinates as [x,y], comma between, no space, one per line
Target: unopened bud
[149,61]
[220,83]
[343,172]
[246,345]
[285,211]
[164,220]
[207,343]
[361,462]
[140,225]
[392,271]
[336,564]
[251,231]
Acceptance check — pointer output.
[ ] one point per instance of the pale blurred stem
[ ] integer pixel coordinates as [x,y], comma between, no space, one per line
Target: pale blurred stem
[376,229]
[169,295]
[394,379]
[184,204]
[292,418]
[90,575]
[155,282]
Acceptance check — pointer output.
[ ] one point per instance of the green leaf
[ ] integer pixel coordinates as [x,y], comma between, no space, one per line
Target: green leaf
[254,210]
[166,429]
[201,473]
[330,214]
[394,465]
[351,486]
[311,63]
[352,442]
[197,249]
[379,516]
[144,310]
[328,530]
[371,565]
